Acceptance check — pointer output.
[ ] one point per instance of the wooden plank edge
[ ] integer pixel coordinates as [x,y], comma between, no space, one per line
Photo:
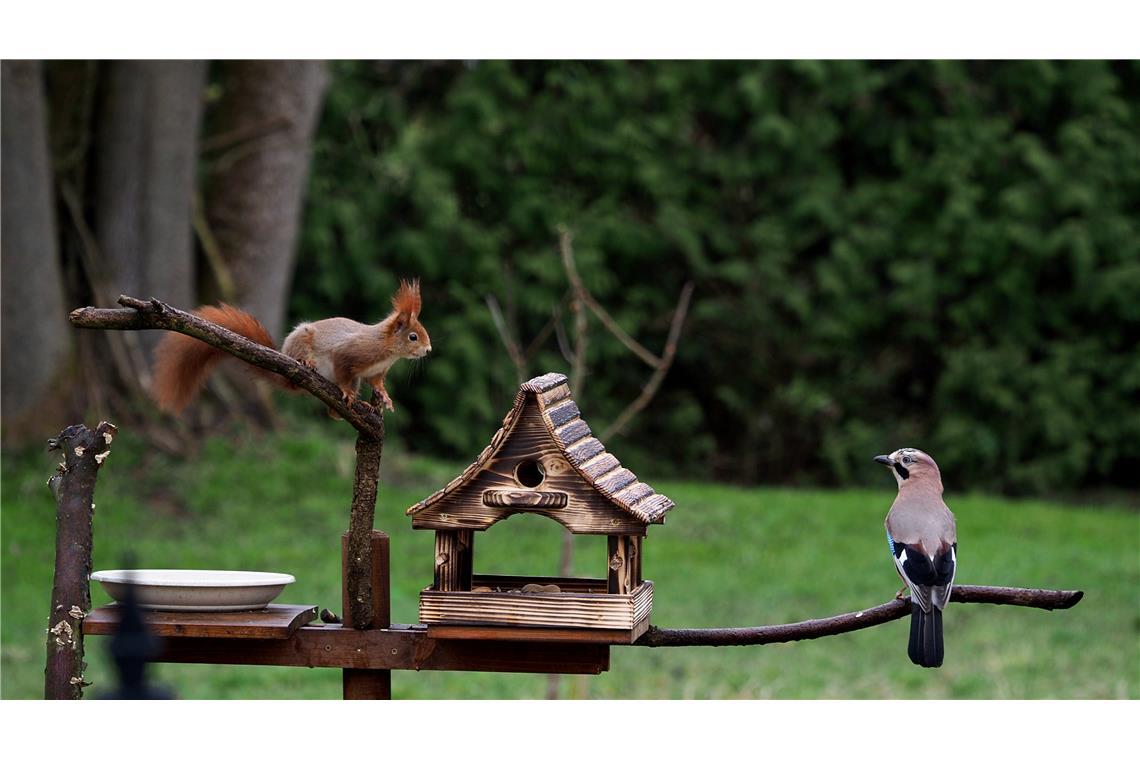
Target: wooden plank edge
[522,633]
[403,648]
[103,621]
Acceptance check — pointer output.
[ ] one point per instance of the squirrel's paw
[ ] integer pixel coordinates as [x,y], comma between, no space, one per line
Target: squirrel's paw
[381,399]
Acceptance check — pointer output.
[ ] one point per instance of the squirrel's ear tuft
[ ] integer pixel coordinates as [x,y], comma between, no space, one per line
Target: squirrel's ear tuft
[407,298]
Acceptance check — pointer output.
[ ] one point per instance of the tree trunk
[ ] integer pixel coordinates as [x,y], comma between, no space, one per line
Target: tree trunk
[34,319]
[262,130]
[145,178]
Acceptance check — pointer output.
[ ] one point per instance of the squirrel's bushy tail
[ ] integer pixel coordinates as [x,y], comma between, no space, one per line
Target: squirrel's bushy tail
[182,363]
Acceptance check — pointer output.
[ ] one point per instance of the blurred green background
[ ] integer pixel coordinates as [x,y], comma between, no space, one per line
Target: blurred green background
[940,254]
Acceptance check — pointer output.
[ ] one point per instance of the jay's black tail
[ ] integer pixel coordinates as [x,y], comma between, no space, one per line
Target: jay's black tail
[925,647]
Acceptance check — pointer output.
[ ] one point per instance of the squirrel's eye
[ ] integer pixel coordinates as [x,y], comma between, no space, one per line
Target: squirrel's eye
[413,336]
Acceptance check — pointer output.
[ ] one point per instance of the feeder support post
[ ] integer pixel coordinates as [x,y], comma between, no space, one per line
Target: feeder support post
[361,683]
[73,486]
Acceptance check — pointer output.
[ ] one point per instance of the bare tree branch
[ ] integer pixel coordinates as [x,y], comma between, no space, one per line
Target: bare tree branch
[662,369]
[541,337]
[126,351]
[581,340]
[851,621]
[246,133]
[509,341]
[563,340]
[214,256]
[582,294]
[611,324]
[578,296]
[156,315]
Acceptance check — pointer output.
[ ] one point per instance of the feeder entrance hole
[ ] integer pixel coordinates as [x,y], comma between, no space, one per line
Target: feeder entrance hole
[530,473]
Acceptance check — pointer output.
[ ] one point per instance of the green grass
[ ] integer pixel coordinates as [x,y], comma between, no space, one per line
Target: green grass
[727,557]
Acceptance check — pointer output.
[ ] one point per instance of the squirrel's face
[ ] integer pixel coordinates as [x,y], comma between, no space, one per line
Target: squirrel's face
[414,339]
[410,337]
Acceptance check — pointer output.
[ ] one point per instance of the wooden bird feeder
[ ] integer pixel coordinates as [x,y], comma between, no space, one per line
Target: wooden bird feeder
[544,460]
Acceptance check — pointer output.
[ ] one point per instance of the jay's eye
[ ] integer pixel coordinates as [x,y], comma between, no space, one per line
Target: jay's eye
[413,336]
[908,459]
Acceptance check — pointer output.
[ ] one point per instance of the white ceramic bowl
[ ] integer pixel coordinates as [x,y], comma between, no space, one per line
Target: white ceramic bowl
[195,590]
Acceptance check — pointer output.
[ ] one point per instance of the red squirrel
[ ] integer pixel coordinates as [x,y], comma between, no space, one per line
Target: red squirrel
[340,349]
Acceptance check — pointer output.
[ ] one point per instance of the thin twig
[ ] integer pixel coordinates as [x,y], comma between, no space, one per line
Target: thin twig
[565,247]
[611,324]
[581,340]
[578,297]
[509,341]
[666,361]
[540,338]
[126,350]
[211,249]
[562,339]
[245,133]
[1045,599]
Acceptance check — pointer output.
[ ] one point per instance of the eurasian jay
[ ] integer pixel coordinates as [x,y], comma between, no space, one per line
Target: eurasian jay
[923,538]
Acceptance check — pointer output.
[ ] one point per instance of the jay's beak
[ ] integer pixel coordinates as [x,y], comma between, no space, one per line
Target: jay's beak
[884,459]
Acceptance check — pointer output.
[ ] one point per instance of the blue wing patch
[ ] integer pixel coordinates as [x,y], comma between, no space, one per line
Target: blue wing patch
[891,543]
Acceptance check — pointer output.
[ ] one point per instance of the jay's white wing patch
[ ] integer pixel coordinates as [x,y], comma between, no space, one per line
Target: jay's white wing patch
[919,594]
[940,595]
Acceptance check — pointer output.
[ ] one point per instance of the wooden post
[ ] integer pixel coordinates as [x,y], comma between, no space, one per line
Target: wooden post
[74,488]
[466,559]
[453,560]
[360,566]
[359,683]
[635,559]
[624,564]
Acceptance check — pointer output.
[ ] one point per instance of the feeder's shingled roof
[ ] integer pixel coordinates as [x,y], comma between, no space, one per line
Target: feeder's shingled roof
[574,439]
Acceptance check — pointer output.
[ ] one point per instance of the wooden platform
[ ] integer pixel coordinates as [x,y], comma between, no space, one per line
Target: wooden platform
[277,621]
[581,611]
[280,635]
